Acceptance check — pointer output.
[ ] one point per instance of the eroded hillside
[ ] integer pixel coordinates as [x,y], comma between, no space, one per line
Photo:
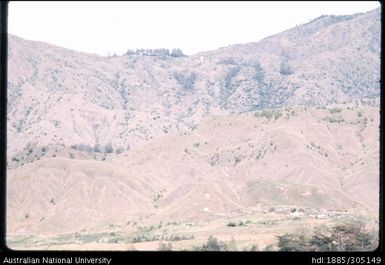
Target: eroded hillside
[247,141]
[59,96]
[308,158]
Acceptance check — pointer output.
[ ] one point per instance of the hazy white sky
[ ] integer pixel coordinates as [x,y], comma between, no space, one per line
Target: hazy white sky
[114,27]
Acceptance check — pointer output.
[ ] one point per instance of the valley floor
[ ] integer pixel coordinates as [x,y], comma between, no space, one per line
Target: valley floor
[255,231]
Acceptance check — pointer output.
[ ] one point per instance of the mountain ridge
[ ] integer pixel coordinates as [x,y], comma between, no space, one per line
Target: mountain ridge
[182,91]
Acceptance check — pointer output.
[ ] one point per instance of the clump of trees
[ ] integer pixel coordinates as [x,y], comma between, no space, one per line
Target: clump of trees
[269,114]
[176,53]
[213,244]
[342,237]
[156,52]
[108,148]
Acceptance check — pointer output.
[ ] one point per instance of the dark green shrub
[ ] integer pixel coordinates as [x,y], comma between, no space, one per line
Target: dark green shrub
[231,224]
[292,242]
[213,244]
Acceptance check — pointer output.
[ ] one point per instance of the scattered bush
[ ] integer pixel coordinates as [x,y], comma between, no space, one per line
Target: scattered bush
[335,110]
[178,238]
[343,237]
[143,238]
[237,160]
[165,246]
[213,244]
[334,119]
[292,242]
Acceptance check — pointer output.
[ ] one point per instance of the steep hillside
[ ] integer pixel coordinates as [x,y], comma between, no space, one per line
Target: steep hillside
[59,96]
[300,157]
